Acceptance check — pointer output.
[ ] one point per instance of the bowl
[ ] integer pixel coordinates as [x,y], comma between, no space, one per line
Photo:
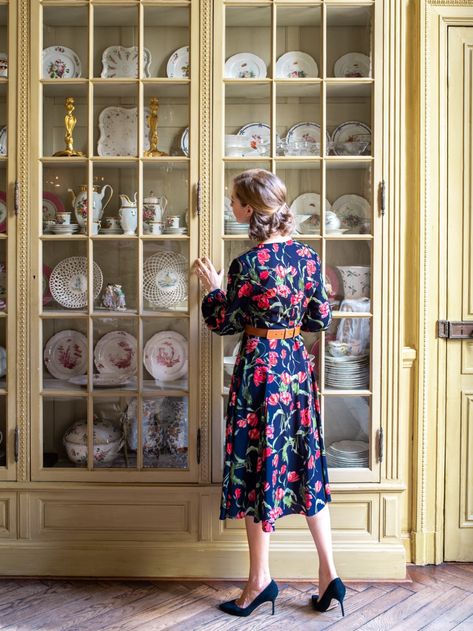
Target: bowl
[108,440]
[103,454]
[338,349]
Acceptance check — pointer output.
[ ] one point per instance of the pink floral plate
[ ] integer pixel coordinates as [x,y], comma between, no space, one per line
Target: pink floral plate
[3,211]
[115,354]
[165,356]
[333,283]
[65,354]
[52,204]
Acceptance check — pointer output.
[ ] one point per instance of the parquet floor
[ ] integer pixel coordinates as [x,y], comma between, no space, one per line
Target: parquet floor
[435,598]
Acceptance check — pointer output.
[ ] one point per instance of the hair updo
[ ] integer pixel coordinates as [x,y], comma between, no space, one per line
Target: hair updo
[266,194]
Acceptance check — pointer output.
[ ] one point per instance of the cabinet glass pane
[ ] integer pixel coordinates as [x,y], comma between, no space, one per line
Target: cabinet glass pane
[115,361]
[118,263]
[64,432]
[303,183]
[165,354]
[116,120]
[65,42]
[3,277]
[349,119]
[64,199]
[349,271]
[60,101]
[347,352]
[347,431]
[298,31]
[65,354]
[115,196]
[165,198]
[247,120]
[165,429]
[110,433]
[116,42]
[248,35]
[65,267]
[173,110]
[230,226]
[166,36]
[298,117]
[349,41]
[165,276]
[3,431]
[349,188]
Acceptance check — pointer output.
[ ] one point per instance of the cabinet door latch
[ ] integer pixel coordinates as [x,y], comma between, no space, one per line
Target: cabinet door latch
[199,197]
[461,330]
[198,445]
[17,442]
[382,197]
[380,444]
[16,201]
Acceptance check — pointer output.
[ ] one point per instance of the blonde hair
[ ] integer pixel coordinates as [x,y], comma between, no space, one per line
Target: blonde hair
[266,194]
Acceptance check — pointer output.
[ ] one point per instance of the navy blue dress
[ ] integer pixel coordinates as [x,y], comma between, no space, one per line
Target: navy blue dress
[275,461]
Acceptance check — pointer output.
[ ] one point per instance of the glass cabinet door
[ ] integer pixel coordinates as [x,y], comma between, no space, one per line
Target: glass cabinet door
[115,234]
[297,91]
[7,244]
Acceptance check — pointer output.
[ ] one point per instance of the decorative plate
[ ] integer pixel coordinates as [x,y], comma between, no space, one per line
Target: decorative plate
[178,65]
[65,354]
[165,278]
[46,293]
[3,65]
[60,62]
[122,62]
[333,283]
[68,282]
[3,211]
[258,134]
[52,204]
[3,361]
[115,354]
[352,65]
[351,132]
[3,141]
[165,356]
[307,208]
[296,65]
[104,380]
[184,142]
[354,212]
[309,132]
[245,66]
[118,131]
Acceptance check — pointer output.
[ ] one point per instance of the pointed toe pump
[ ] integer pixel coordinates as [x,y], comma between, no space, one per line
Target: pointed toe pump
[269,594]
[336,590]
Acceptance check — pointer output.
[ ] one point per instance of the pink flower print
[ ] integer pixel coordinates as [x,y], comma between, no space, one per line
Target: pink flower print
[273,399]
[264,275]
[318,486]
[263,256]
[293,476]
[123,361]
[252,495]
[327,489]
[69,356]
[279,493]
[285,398]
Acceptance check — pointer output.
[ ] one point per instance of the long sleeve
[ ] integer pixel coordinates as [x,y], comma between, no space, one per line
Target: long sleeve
[225,312]
[319,314]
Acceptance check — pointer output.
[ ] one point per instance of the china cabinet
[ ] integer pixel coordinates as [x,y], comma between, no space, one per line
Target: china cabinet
[142,112]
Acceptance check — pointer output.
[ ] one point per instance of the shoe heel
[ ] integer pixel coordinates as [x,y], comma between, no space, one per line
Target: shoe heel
[274,602]
[341,605]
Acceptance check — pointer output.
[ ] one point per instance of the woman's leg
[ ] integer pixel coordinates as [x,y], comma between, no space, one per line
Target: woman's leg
[260,577]
[320,529]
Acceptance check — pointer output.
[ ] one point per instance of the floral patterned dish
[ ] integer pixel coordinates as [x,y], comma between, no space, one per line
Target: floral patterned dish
[60,62]
[351,138]
[352,65]
[115,354]
[165,356]
[178,65]
[118,131]
[65,354]
[52,204]
[245,66]
[354,212]
[296,65]
[122,62]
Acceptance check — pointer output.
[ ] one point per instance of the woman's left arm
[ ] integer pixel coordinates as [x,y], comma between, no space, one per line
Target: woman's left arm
[225,312]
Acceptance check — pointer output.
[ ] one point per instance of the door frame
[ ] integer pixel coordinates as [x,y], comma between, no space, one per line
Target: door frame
[435,17]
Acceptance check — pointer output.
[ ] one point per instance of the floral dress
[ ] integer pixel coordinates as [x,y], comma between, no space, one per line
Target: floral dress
[275,460]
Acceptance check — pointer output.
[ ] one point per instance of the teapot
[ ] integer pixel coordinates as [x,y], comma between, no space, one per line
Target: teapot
[154,207]
[80,205]
[128,213]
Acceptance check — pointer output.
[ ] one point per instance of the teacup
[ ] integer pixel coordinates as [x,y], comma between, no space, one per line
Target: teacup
[63,218]
[111,223]
[337,349]
[173,221]
[155,227]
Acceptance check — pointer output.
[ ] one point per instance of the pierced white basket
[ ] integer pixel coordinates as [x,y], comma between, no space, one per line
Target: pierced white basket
[68,282]
[165,279]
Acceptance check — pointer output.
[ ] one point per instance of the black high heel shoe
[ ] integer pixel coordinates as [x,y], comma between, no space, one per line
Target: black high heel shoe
[336,589]
[269,594]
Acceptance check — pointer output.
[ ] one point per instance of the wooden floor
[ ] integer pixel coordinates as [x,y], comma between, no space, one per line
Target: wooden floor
[435,598]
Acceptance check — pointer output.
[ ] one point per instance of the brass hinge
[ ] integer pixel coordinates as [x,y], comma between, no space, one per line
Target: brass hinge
[382,195]
[198,446]
[17,442]
[16,201]
[380,444]
[460,330]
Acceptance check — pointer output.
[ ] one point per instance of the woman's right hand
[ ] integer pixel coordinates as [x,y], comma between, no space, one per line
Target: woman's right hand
[208,275]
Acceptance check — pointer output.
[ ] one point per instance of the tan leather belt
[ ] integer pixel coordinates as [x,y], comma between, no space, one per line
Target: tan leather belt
[273,334]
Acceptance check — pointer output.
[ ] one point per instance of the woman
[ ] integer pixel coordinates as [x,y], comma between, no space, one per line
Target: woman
[274,454]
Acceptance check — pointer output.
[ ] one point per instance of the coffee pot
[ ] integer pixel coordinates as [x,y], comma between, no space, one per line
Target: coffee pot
[154,207]
[80,203]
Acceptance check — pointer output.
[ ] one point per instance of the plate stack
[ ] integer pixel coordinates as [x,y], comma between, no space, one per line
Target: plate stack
[348,453]
[233,227]
[64,228]
[349,372]
[182,230]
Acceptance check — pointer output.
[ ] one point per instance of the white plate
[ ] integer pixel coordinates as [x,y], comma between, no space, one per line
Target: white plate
[122,62]
[3,140]
[354,211]
[65,354]
[68,282]
[352,65]
[309,132]
[118,131]
[178,65]
[351,132]
[60,62]
[165,356]
[258,134]
[307,206]
[103,380]
[115,354]
[165,277]
[296,65]
[245,66]
[184,143]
